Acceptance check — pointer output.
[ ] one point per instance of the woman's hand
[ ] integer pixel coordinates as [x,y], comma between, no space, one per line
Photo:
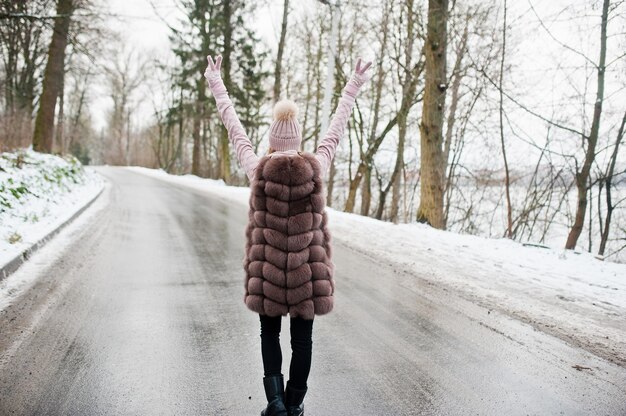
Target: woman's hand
[360,69]
[360,74]
[213,69]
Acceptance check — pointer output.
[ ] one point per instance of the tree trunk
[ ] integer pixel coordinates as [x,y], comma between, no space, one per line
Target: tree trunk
[457,76]
[582,177]
[224,148]
[507,179]
[197,120]
[195,156]
[365,164]
[408,92]
[179,147]
[366,192]
[318,87]
[432,168]
[128,148]
[609,177]
[81,103]
[58,135]
[382,196]
[281,48]
[396,177]
[53,76]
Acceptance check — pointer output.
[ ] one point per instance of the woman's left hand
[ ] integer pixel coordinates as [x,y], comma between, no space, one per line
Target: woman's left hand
[213,69]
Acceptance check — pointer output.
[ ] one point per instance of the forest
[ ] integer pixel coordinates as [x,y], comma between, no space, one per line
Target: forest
[486,117]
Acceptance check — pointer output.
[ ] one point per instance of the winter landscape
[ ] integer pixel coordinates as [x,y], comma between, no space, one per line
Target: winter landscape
[474,191]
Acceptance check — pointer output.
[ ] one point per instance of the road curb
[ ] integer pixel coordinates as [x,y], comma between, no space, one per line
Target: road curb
[9,268]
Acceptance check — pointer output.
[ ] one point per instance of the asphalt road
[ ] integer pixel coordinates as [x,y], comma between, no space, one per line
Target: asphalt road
[141,313]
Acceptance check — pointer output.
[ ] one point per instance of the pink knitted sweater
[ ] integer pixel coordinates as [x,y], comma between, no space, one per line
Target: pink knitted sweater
[243,147]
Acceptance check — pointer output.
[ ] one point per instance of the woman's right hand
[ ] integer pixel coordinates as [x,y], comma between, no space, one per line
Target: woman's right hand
[360,74]
[213,69]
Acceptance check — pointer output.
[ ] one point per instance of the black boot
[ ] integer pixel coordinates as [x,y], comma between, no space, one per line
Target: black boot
[274,386]
[294,400]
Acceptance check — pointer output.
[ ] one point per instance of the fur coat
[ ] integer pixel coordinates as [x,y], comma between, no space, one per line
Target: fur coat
[287,259]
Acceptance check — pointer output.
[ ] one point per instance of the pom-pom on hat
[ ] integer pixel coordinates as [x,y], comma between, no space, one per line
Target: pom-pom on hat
[285,132]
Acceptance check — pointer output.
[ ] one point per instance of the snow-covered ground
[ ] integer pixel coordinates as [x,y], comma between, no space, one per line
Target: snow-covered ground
[571,295]
[38,193]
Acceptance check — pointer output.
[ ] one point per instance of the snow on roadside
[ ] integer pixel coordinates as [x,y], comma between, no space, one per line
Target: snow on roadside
[571,295]
[38,193]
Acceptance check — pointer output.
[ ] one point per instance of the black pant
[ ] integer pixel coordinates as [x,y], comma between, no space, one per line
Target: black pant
[301,348]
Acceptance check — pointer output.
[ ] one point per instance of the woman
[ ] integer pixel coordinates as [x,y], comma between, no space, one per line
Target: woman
[288,259]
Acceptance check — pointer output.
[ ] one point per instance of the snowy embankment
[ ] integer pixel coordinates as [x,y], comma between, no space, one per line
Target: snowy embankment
[568,294]
[38,194]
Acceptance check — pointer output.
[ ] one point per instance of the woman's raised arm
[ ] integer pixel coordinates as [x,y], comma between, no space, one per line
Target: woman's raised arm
[236,134]
[327,147]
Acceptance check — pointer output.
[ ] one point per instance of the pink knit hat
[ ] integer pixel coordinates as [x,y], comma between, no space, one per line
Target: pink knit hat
[285,132]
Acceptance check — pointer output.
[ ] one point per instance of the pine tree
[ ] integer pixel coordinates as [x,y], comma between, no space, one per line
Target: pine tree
[212,28]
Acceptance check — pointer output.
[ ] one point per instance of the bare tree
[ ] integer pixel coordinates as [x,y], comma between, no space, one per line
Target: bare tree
[409,75]
[78,99]
[166,144]
[582,175]
[374,140]
[507,178]
[279,56]
[125,75]
[607,182]
[463,98]
[432,168]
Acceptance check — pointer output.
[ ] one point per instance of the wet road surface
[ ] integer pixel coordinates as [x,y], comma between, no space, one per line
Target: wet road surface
[141,313]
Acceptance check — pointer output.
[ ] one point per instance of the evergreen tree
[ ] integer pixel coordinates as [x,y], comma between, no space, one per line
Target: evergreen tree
[219,27]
